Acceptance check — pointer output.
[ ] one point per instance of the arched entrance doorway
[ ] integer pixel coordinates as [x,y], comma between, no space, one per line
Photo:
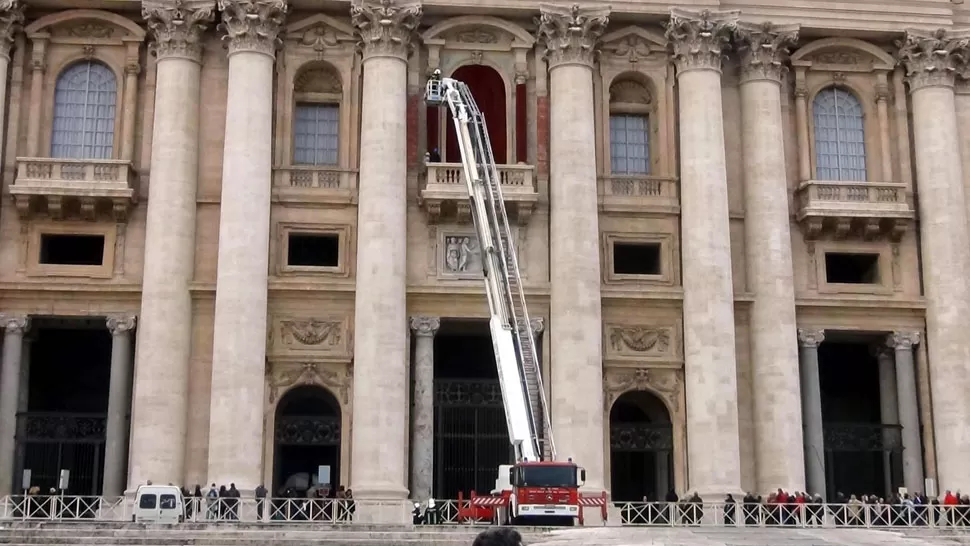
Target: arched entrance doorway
[488,88]
[307,436]
[641,448]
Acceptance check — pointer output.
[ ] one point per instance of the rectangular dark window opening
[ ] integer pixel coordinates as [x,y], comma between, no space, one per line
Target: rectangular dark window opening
[313,250]
[71,249]
[845,268]
[636,259]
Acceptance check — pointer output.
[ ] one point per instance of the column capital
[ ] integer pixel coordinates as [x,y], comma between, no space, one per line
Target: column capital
[15,324]
[903,340]
[698,39]
[122,324]
[177,27]
[932,58]
[881,350]
[11,19]
[253,25]
[536,324]
[764,48]
[810,339]
[571,34]
[385,28]
[425,326]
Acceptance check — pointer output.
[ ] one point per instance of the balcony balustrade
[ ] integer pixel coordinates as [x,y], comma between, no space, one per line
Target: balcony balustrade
[445,194]
[844,209]
[64,188]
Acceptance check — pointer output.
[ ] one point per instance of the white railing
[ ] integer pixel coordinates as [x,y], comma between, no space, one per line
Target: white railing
[515,179]
[875,199]
[686,514]
[445,512]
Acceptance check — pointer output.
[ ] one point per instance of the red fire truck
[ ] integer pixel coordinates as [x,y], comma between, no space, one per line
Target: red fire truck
[537,488]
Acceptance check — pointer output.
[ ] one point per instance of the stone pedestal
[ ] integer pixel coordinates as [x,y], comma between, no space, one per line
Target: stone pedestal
[422,412]
[774,348]
[813,431]
[14,328]
[908,408]
[575,306]
[165,321]
[709,339]
[380,431]
[931,59]
[239,337]
[119,404]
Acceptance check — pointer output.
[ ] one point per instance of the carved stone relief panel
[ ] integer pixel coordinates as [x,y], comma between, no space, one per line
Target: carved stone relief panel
[459,255]
[633,45]
[478,37]
[666,383]
[337,378]
[321,335]
[633,342]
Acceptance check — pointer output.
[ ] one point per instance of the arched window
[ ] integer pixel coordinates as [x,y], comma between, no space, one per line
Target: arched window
[630,108]
[85,99]
[316,116]
[840,140]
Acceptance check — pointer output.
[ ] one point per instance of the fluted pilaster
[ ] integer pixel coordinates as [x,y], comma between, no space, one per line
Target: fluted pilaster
[774,352]
[931,60]
[177,28]
[385,28]
[252,25]
[571,34]
[239,329]
[384,31]
[700,39]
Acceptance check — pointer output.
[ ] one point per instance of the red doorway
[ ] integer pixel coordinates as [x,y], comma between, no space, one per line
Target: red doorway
[488,88]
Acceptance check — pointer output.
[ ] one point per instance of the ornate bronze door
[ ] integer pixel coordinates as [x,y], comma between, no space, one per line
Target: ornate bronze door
[471,436]
[51,442]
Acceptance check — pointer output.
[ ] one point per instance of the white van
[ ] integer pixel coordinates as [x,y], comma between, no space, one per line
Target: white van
[159,504]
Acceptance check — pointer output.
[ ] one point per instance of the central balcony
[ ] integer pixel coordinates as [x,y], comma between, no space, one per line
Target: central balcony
[844,209]
[64,188]
[315,184]
[445,193]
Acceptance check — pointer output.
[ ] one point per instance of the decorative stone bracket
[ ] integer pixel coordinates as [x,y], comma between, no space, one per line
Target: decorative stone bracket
[69,188]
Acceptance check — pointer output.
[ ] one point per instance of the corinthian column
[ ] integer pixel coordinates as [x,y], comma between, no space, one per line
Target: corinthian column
[380,432]
[11,18]
[930,60]
[774,343]
[698,40]
[239,337]
[570,38]
[157,449]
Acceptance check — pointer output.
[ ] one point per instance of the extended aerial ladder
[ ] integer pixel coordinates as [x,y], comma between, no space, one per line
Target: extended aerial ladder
[526,410]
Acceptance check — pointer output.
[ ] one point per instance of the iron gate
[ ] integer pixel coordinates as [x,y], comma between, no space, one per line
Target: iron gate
[856,455]
[51,442]
[638,451]
[471,436]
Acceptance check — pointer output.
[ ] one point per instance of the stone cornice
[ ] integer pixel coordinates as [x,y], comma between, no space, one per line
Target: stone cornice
[932,59]
[763,48]
[699,39]
[253,25]
[571,34]
[385,28]
[177,27]
[11,19]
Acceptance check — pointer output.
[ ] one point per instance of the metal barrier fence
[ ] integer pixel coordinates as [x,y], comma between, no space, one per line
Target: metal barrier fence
[341,511]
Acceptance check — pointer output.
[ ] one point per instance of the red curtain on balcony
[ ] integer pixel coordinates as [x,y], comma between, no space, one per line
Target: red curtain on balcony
[489,91]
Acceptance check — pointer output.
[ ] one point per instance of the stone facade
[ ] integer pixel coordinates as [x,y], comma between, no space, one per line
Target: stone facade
[197,192]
